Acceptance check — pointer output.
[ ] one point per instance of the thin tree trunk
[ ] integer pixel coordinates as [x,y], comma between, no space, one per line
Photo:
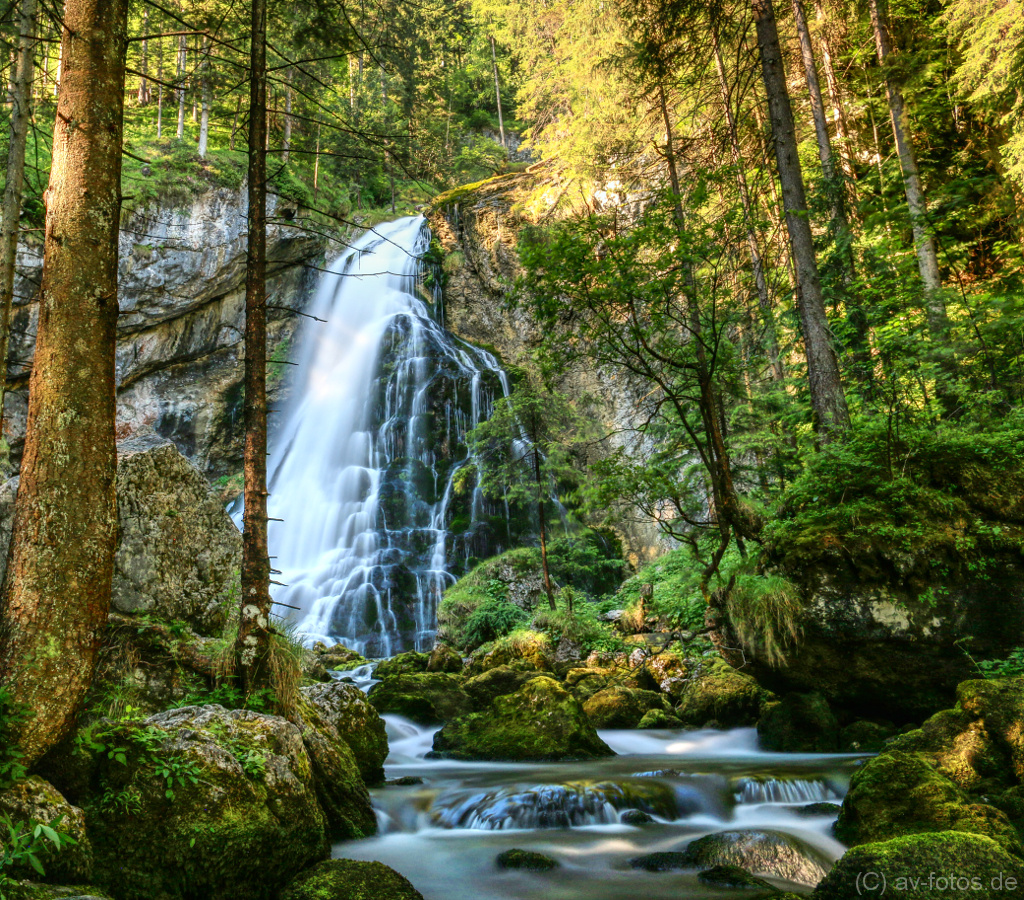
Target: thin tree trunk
[757,264]
[160,91]
[835,95]
[144,61]
[57,587]
[234,123]
[497,92]
[204,122]
[60,62]
[180,133]
[924,243]
[828,401]
[542,522]
[252,646]
[316,164]
[46,70]
[287,141]
[20,112]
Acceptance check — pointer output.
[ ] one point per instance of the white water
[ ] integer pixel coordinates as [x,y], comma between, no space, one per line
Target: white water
[363,426]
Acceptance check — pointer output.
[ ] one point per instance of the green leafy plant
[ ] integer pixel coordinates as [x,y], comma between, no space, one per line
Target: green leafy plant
[12,715]
[22,846]
[1011,666]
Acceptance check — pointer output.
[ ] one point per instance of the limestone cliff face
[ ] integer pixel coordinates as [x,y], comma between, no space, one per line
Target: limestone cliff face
[478,233]
[182,296]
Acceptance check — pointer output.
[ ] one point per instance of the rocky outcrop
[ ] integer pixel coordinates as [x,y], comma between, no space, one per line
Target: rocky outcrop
[345,708]
[350,879]
[178,553]
[181,291]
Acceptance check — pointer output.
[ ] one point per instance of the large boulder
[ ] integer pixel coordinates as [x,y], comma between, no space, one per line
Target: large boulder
[799,723]
[717,695]
[540,721]
[411,662]
[350,879]
[34,800]
[898,793]
[178,552]
[761,852]
[345,708]
[947,866]
[429,698]
[622,707]
[204,801]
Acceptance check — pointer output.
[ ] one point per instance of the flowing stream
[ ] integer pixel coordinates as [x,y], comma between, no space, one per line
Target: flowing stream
[446,822]
[362,473]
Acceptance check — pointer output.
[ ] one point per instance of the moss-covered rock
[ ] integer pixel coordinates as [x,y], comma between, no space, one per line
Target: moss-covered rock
[411,663]
[483,688]
[522,649]
[761,852]
[338,656]
[35,800]
[799,723]
[527,860]
[920,867]
[444,659]
[345,708]
[540,721]
[864,736]
[659,718]
[732,877]
[349,879]
[207,802]
[718,695]
[899,793]
[622,707]
[427,698]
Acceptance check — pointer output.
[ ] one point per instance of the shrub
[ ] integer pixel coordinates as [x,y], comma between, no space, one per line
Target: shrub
[764,611]
[493,619]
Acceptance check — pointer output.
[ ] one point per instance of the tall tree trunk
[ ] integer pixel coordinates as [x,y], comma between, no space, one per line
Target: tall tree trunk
[144,61]
[204,122]
[828,401]
[497,92]
[542,523]
[316,164]
[180,133]
[756,262]
[252,647]
[21,103]
[834,94]
[159,91]
[61,562]
[287,141]
[924,243]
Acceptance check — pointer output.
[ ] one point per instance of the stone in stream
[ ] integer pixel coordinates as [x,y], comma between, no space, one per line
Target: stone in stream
[810,810]
[762,852]
[636,817]
[718,694]
[733,877]
[427,698]
[350,879]
[528,860]
[662,861]
[345,708]
[621,707]
[540,721]
[485,687]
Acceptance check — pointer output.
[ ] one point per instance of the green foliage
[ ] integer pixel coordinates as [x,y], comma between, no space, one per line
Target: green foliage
[1011,666]
[21,845]
[12,716]
[492,619]
[576,620]
[677,595]
[764,610]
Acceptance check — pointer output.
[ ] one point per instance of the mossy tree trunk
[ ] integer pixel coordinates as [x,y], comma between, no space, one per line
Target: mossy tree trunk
[56,593]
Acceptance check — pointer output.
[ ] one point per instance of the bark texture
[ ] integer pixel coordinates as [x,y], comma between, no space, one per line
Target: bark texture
[828,400]
[57,589]
[253,641]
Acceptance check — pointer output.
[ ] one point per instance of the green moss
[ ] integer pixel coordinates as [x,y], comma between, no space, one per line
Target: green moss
[525,859]
[349,879]
[717,693]
[426,698]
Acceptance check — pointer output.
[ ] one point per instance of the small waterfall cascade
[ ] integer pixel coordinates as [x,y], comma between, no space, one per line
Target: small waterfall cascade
[363,472]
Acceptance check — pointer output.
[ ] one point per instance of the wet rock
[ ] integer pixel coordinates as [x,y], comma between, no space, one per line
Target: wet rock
[717,693]
[899,793]
[345,708]
[863,736]
[733,877]
[615,707]
[410,663]
[428,698]
[799,723]
[527,860]
[243,816]
[350,879]
[540,721]
[405,781]
[636,818]
[933,859]
[35,800]
[760,852]
[338,657]
[444,659]
[659,718]
[662,861]
[493,683]
[812,810]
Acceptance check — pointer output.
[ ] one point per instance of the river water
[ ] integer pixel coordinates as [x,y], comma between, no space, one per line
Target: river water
[445,833]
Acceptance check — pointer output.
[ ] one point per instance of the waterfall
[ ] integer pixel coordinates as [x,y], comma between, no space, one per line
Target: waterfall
[363,471]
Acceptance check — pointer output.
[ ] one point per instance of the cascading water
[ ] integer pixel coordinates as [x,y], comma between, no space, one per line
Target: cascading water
[363,470]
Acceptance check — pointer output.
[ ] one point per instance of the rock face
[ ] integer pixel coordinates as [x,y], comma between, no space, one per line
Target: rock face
[181,291]
[36,800]
[428,698]
[349,879]
[178,553]
[540,721]
[208,802]
[345,708]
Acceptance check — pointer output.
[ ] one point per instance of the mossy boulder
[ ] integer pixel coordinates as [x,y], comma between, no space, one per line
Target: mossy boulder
[540,721]
[444,659]
[522,650]
[483,688]
[659,718]
[799,723]
[761,852]
[920,867]
[898,794]
[345,708]
[621,707]
[207,802]
[527,860]
[410,663]
[428,698]
[338,656]
[350,879]
[585,681]
[718,695]
[35,800]
[864,736]
[732,877]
